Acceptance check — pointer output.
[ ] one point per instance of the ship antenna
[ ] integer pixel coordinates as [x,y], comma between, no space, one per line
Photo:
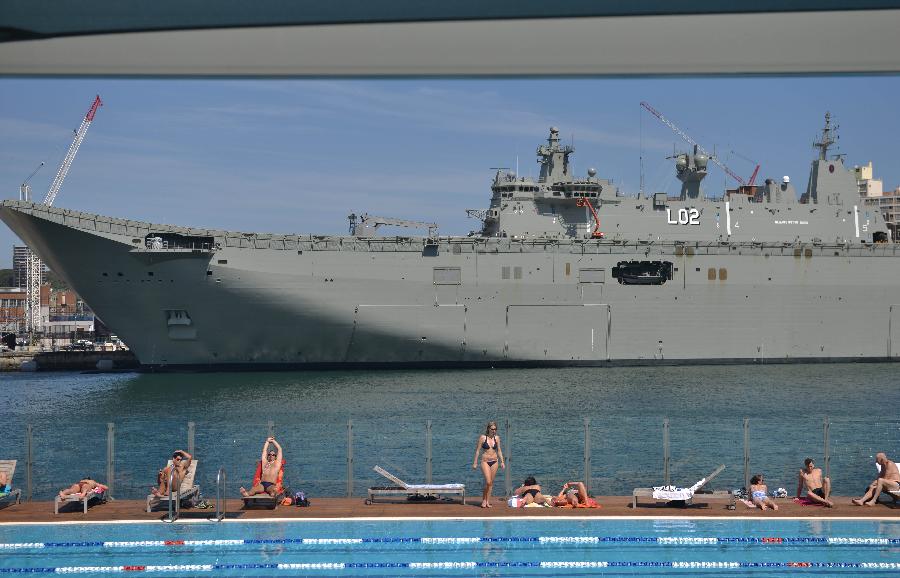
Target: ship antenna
[641,152]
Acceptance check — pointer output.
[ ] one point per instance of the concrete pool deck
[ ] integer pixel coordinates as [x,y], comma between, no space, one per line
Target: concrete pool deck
[350,508]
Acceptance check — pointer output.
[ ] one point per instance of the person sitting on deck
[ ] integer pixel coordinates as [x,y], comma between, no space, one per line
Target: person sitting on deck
[5,483]
[271,461]
[888,479]
[181,461]
[81,488]
[574,495]
[818,488]
[759,493]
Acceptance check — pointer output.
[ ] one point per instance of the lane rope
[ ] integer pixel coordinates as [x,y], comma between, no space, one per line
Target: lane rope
[663,540]
[693,565]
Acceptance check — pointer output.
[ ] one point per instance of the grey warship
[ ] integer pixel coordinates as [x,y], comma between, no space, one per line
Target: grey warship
[565,270]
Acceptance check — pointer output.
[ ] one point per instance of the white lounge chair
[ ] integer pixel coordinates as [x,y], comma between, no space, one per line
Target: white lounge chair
[187,492]
[673,494]
[9,466]
[85,499]
[413,491]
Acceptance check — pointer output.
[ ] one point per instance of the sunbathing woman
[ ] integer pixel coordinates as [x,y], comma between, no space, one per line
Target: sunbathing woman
[574,495]
[530,491]
[493,455]
[759,493]
[80,488]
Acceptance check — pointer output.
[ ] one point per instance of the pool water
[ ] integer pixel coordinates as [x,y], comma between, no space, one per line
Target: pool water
[559,547]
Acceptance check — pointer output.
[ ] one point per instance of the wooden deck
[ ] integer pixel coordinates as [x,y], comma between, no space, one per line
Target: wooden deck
[349,508]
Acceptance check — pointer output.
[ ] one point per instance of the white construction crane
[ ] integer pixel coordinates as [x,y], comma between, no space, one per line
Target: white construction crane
[684,135]
[367,225]
[34,266]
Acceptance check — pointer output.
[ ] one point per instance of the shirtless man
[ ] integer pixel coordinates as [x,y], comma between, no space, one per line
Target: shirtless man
[181,461]
[888,479]
[818,488]
[80,488]
[271,465]
[5,485]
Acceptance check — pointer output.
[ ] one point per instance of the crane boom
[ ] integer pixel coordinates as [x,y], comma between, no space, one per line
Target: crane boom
[73,150]
[686,137]
[367,225]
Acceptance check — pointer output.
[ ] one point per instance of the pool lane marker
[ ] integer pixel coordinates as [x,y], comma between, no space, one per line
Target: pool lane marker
[693,565]
[663,540]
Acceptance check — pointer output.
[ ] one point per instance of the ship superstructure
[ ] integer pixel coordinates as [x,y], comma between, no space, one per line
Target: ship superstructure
[566,270]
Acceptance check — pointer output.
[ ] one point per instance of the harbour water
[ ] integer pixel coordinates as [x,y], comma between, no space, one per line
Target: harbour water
[791,412]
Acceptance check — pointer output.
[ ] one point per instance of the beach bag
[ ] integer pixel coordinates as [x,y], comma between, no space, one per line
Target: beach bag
[300,499]
[515,502]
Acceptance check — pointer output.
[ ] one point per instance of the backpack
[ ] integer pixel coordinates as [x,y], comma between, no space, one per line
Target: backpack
[300,499]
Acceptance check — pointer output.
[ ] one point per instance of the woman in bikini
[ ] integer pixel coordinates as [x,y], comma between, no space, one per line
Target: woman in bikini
[530,491]
[574,495]
[759,493]
[80,488]
[489,443]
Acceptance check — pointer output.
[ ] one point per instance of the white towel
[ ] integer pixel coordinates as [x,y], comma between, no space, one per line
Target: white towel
[672,493]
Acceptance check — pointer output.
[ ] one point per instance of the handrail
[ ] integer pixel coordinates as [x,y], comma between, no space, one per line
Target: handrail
[174,503]
[221,503]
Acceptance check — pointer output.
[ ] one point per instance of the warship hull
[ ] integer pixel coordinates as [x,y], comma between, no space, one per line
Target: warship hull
[186,298]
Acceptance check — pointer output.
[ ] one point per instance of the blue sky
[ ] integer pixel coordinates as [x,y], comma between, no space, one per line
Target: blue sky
[297,156]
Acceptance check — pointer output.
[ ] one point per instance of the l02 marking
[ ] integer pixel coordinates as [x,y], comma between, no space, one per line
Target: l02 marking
[683,217]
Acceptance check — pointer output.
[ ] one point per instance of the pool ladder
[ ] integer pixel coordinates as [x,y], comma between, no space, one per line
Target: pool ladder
[221,504]
[174,499]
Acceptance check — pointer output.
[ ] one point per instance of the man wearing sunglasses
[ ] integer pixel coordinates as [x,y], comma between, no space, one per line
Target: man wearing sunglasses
[268,474]
[181,461]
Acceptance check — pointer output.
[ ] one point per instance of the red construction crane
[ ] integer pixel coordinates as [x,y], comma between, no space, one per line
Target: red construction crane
[34,265]
[73,150]
[683,135]
[752,179]
[582,202]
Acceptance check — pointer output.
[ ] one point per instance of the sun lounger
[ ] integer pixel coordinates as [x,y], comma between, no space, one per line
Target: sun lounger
[683,496]
[9,466]
[188,492]
[91,496]
[414,491]
[265,500]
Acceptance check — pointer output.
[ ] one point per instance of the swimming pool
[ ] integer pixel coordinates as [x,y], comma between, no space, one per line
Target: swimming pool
[447,548]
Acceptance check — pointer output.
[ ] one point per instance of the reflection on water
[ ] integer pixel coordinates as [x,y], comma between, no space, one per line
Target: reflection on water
[546,410]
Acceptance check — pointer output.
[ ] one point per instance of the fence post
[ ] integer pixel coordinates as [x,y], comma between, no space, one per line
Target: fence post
[428,451]
[190,445]
[587,454]
[29,460]
[827,451]
[507,472]
[666,450]
[110,457]
[270,426]
[746,453]
[349,458]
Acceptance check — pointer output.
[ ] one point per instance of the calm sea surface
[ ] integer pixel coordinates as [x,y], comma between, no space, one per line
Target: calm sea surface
[545,409]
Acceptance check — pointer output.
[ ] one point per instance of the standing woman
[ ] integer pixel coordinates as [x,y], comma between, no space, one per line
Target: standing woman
[489,443]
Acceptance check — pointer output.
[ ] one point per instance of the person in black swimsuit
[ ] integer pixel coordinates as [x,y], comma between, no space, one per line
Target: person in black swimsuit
[489,442]
[530,491]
